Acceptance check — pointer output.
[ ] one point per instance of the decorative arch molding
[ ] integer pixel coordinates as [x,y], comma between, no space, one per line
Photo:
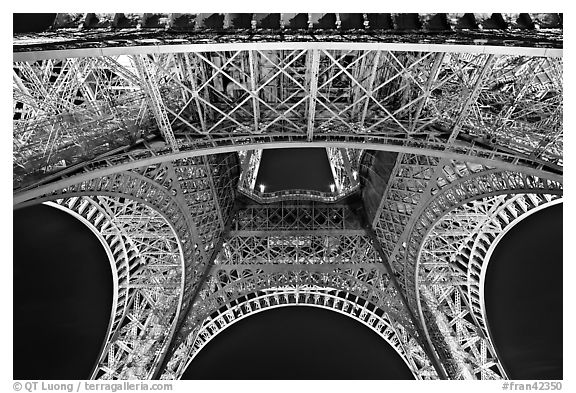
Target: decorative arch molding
[422,189]
[471,362]
[475,187]
[480,253]
[156,187]
[142,158]
[448,273]
[194,197]
[148,268]
[323,297]
[367,290]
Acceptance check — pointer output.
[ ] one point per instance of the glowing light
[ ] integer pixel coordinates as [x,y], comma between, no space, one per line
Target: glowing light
[262,187]
[332,187]
[355,175]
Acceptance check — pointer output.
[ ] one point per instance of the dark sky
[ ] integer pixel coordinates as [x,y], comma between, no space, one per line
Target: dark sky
[306,169]
[24,23]
[62,295]
[524,296]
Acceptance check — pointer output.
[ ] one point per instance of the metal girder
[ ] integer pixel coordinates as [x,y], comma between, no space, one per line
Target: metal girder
[250,164]
[218,97]
[343,170]
[438,59]
[444,303]
[478,129]
[150,84]
[255,103]
[472,97]
[312,77]
[145,303]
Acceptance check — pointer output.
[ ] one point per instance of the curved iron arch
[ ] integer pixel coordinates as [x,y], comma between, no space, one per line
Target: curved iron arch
[427,298]
[370,288]
[127,162]
[124,355]
[321,298]
[488,257]
[325,297]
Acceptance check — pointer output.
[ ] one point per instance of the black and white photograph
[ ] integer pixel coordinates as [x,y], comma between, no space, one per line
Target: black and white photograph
[361,196]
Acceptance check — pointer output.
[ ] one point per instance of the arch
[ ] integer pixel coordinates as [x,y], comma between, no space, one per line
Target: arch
[475,187]
[117,263]
[453,253]
[361,288]
[147,262]
[488,257]
[322,297]
[155,188]
[141,158]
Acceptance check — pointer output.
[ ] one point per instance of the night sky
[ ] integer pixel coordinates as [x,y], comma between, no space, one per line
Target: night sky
[25,23]
[306,169]
[63,294]
[524,296]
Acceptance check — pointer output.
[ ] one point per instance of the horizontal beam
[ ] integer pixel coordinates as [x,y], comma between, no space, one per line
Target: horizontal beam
[302,232]
[32,55]
[294,267]
[473,157]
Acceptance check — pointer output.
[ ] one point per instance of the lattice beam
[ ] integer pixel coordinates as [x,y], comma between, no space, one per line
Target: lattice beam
[424,99]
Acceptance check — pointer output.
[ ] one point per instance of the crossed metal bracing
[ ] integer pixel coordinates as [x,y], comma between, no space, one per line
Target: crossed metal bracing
[150,146]
[74,110]
[160,225]
[450,274]
[472,202]
[148,269]
[435,227]
[299,253]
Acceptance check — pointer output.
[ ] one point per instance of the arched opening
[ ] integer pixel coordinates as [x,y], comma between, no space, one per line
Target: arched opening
[63,291]
[298,342]
[523,296]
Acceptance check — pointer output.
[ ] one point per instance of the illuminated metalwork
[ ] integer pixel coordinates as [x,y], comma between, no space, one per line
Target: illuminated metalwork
[154,140]
[295,253]
[149,279]
[211,97]
[450,269]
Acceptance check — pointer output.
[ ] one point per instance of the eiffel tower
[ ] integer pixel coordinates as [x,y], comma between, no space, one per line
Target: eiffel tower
[442,132]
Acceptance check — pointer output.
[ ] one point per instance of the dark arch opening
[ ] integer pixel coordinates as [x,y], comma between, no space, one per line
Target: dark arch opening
[62,295]
[523,297]
[297,342]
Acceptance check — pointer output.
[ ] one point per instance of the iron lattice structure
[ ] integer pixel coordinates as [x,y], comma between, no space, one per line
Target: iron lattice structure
[442,131]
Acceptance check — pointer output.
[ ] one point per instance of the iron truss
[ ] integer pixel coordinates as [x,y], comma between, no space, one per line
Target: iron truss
[76,113]
[154,142]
